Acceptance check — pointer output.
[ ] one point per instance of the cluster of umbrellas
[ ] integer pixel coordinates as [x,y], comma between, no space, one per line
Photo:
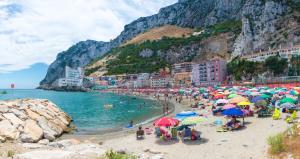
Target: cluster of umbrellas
[232,99]
[183,118]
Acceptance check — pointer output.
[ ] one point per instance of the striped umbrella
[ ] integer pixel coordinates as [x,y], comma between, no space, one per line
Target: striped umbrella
[193,120]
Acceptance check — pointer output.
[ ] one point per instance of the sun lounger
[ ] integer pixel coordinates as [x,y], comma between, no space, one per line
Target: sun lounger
[148,131]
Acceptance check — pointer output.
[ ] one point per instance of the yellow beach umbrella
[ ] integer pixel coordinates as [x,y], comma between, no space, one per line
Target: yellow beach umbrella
[243,103]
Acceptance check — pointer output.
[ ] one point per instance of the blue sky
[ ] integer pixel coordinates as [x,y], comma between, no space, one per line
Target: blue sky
[26,78]
[34,31]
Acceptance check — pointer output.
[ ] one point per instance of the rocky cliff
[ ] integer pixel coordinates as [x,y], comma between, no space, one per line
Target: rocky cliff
[260,20]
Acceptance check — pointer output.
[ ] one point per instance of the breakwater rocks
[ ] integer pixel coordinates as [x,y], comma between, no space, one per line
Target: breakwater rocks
[32,120]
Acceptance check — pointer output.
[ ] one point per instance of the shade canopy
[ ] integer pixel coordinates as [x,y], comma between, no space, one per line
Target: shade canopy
[185,114]
[193,120]
[166,122]
[243,103]
[228,106]
[287,100]
[238,99]
[222,101]
[233,112]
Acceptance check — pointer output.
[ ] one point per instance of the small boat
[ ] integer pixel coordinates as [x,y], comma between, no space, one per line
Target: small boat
[108,106]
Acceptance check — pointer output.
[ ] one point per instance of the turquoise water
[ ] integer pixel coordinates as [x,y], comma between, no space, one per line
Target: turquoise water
[87,109]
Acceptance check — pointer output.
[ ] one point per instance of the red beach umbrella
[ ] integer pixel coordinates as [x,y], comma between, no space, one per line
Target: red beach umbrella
[166,122]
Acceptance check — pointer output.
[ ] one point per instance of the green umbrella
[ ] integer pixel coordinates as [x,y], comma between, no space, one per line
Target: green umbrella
[262,103]
[287,100]
[193,120]
[232,95]
[265,96]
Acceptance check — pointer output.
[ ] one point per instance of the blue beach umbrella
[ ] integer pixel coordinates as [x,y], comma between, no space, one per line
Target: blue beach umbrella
[257,98]
[233,112]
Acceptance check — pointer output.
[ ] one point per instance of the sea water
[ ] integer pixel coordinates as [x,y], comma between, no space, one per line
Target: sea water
[87,108]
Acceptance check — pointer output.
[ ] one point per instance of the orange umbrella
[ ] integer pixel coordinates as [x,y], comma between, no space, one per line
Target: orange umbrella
[238,99]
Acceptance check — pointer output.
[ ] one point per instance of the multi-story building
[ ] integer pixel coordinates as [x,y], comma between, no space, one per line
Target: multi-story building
[73,77]
[287,53]
[182,73]
[158,81]
[183,79]
[209,72]
[182,67]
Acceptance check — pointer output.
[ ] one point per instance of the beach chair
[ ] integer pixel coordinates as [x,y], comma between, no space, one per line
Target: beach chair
[187,134]
[276,115]
[174,133]
[157,132]
[148,131]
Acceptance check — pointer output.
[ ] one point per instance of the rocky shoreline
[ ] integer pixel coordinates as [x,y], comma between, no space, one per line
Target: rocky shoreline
[32,121]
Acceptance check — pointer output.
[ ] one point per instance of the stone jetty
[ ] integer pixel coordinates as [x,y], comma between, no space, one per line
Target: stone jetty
[32,120]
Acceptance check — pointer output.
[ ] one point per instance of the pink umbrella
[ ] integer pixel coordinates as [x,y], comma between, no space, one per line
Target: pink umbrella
[229,106]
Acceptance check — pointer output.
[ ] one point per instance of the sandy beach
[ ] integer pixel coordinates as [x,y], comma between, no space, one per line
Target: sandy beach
[250,142]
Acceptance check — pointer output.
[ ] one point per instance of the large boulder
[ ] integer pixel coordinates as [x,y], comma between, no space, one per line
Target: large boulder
[32,132]
[31,120]
[13,119]
[32,114]
[8,131]
[49,133]
[19,113]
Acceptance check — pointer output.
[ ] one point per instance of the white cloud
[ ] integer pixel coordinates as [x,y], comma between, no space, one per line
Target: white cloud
[34,31]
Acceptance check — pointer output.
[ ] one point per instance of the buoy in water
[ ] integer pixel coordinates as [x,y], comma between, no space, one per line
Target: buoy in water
[108,106]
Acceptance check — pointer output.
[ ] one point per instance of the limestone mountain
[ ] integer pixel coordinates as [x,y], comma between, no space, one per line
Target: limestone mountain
[264,24]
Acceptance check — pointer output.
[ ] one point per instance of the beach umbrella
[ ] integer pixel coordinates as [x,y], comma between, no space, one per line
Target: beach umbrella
[288,105]
[166,122]
[294,93]
[265,96]
[219,96]
[222,101]
[233,112]
[228,106]
[238,99]
[257,98]
[287,100]
[261,103]
[231,96]
[185,114]
[193,120]
[243,103]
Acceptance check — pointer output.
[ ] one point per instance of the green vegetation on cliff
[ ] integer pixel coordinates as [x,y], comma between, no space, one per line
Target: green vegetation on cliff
[129,60]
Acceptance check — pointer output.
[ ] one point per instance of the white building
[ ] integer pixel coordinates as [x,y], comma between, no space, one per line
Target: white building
[287,53]
[73,77]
